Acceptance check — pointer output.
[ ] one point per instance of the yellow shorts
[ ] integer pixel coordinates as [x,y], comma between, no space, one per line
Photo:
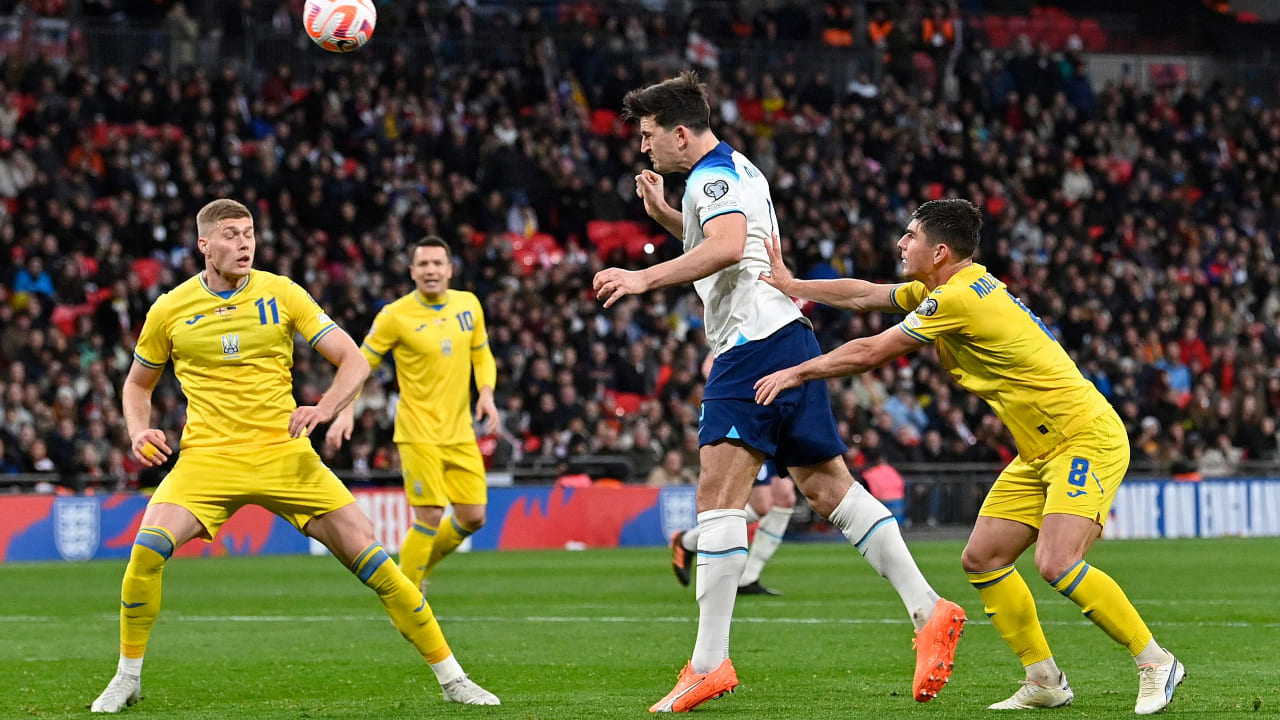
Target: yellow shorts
[1079,477]
[290,481]
[442,475]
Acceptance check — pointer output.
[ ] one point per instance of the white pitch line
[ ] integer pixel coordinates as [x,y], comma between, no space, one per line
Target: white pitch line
[604,619]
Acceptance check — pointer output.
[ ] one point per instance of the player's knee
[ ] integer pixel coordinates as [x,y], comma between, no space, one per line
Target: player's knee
[470,519]
[975,559]
[1054,565]
[152,548]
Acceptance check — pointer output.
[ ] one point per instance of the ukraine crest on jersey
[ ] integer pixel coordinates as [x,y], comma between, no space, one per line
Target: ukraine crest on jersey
[996,348]
[432,346]
[233,354]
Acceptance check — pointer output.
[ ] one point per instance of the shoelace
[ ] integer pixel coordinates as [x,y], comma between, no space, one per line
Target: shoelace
[1149,679]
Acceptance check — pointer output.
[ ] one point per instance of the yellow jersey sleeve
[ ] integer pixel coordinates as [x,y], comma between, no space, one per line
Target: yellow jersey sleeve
[907,295]
[482,362]
[309,320]
[382,338]
[154,343]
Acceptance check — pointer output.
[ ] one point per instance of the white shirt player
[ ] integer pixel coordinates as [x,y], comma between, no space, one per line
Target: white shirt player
[739,307]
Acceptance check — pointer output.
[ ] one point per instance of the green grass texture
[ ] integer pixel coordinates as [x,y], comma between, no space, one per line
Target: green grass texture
[560,635]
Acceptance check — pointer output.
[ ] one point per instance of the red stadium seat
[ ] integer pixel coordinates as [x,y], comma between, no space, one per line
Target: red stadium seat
[148,271]
[625,403]
[604,122]
[998,32]
[64,317]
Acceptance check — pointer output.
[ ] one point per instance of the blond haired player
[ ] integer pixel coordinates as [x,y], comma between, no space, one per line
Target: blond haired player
[230,332]
[438,338]
[1072,447]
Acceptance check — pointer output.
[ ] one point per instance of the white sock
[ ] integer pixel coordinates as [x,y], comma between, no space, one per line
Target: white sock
[1153,654]
[869,525]
[689,539]
[132,666]
[722,551]
[1045,672]
[447,670]
[768,537]
[752,515]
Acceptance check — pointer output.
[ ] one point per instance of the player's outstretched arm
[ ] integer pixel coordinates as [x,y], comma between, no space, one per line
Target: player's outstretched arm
[353,370]
[848,293]
[854,357]
[724,241]
[149,444]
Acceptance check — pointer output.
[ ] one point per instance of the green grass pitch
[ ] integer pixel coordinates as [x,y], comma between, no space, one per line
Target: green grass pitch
[602,633]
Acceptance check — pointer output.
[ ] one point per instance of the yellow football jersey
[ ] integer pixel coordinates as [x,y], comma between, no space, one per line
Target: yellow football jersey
[436,348]
[233,354]
[997,349]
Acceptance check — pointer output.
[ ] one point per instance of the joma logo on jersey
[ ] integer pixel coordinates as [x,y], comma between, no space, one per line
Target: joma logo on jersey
[231,346]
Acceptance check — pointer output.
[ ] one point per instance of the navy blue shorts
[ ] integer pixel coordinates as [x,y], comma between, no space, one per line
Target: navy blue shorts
[798,429]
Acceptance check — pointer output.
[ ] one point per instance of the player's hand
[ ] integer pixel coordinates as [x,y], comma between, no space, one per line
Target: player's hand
[651,189]
[778,276]
[612,284]
[487,412]
[305,419]
[150,447]
[339,431]
[768,387]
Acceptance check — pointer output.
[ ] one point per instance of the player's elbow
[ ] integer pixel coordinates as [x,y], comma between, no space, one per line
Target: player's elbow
[358,365]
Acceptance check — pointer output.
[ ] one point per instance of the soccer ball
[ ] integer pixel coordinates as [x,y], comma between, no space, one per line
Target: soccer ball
[339,25]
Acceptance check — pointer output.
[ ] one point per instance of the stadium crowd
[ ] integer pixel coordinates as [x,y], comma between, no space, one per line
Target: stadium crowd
[1143,227]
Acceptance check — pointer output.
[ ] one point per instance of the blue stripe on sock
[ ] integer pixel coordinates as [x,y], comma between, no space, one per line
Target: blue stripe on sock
[355,564]
[372,566]
[458,528]
[158,541]
[425,529]
[879,524]
[1068,572]
[722,553]
[993,581]
[1071,588]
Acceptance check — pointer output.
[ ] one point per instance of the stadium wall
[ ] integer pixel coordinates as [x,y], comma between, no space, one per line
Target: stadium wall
[53,527]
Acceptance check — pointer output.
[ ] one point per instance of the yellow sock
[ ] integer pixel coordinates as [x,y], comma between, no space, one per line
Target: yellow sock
[140,590]
[448,539]
[1009,604]
[415,549]
[404,602]
[1103,602]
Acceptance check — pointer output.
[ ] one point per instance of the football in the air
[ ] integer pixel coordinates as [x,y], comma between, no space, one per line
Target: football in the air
[339,25]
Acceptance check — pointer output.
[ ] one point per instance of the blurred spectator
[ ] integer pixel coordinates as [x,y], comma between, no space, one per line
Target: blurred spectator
[885,483]
[672,471]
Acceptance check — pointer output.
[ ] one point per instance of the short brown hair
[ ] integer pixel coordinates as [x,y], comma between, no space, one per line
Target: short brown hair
[217,211]
[954,222]
[432,241]
[681,100]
